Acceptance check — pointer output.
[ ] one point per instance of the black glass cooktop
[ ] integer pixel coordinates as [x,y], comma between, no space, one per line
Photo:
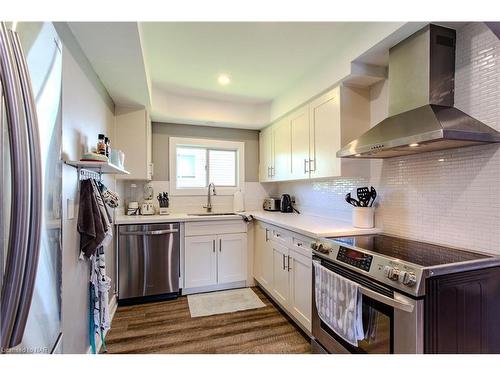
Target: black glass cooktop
[415,252]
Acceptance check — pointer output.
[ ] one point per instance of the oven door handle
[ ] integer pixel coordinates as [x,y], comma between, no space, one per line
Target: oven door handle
[400,305]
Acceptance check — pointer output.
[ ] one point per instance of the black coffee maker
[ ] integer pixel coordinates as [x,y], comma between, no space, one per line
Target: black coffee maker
[286,203]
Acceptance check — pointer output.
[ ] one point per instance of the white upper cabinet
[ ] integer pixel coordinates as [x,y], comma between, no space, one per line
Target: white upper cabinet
[299,130]
[266,155]
[133,137]
[307,140]
[325,135]
[282,150]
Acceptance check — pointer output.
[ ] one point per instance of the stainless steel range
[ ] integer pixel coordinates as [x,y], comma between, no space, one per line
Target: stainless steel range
[391,273]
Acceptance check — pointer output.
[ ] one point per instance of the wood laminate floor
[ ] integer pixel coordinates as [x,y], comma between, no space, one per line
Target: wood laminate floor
[167,327]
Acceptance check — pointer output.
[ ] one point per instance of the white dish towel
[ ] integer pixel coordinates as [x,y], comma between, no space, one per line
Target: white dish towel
[339,303]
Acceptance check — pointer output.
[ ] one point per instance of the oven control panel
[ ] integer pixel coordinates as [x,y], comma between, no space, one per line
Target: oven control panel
[406,277]
[391,272]
[355,258]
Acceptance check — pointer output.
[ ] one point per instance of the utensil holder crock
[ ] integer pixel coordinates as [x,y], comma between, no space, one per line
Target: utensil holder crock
[363,217]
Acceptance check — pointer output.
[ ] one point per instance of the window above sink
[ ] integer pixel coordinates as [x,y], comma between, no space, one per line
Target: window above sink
[195,163]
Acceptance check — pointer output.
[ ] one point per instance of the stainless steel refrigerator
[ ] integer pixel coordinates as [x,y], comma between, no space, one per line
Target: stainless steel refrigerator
[30,188]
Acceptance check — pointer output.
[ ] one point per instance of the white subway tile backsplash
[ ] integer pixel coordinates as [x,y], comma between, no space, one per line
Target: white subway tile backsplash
[324,198]
[254,193]
[447,197]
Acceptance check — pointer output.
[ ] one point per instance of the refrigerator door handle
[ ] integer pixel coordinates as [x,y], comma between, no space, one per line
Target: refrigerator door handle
[20,196]
[35,218]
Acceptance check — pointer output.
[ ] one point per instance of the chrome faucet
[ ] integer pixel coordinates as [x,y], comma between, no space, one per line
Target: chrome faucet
[209,198]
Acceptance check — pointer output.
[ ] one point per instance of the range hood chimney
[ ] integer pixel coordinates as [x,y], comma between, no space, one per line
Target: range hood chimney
[421,97]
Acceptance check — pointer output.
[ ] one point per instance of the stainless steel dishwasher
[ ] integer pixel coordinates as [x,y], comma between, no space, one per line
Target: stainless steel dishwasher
[148,262]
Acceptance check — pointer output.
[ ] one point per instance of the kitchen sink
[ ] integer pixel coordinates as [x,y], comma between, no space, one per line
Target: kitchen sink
[213,214]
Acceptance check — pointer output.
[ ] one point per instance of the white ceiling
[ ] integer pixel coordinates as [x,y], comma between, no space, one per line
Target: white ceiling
[262,59]
[115,52]
[171,68]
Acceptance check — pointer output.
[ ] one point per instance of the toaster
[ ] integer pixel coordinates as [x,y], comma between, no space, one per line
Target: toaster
[271,204]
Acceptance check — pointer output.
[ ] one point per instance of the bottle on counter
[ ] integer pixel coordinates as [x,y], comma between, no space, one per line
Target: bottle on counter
[238,201]
[101,144]
[107,143]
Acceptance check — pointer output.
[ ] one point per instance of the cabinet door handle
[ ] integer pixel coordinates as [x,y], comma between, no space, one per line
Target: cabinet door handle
[272,171]
[311,168]
[288,266]
[213,247]
[305,165]
[268,171]
[267,231]
[220,245]
[283,260]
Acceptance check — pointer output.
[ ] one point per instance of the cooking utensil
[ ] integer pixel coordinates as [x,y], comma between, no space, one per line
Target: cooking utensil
[373,195]
[351,200]
[364,196]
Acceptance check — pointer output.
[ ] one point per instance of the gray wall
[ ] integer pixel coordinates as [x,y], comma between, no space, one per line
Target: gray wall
[163,131]
[87,110]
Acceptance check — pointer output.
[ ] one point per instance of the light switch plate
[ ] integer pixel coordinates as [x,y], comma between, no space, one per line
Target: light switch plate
[70,209]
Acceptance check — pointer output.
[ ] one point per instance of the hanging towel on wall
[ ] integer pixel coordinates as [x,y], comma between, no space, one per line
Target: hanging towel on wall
[339,304]
[111,198]
[100,284]
[94,226]
[94,221]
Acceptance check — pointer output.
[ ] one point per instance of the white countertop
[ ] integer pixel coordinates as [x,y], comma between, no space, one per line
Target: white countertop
[310,226]
[173,217]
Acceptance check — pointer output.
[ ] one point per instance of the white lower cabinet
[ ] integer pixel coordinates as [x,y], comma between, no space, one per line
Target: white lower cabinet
[200,260]
[213,260]
[283,267]
[263,256]
[300,287]
[232,256]
[281,285]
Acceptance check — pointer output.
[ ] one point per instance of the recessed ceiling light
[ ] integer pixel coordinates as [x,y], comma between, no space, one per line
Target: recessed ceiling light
[357,155]
[413,145]
[223,79]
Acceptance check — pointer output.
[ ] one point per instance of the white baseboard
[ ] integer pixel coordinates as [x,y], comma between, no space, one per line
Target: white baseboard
[113,305]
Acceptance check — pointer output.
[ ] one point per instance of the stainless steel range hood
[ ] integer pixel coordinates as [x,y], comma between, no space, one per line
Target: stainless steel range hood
[421,97]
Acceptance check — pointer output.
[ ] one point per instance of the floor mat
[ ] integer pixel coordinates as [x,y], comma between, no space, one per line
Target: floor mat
[222,302]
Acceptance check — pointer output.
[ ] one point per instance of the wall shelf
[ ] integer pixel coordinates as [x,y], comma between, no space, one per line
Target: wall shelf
[101,167]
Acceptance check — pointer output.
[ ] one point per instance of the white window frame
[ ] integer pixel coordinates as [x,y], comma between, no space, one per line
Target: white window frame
[239,147]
